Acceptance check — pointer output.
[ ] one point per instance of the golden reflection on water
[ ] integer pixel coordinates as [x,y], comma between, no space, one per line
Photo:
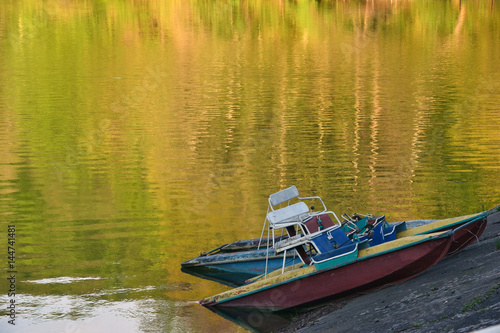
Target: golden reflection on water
[137,134]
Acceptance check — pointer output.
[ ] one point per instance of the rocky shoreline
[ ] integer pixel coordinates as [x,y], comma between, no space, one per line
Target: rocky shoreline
[459,294]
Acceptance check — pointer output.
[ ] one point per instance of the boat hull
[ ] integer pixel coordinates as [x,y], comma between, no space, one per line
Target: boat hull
[234,273]
[235,268]
[366,273]
[466,235]
[467,229]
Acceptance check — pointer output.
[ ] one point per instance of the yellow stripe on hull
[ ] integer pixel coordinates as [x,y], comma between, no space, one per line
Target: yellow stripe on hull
[402,242]
[276,272]
[269,281]
[434,226]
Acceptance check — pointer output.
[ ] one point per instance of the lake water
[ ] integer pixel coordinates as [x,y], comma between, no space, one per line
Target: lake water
[136,134]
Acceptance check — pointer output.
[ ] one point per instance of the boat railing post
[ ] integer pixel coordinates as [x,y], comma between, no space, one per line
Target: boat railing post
[267,255]
[273,237]
[284,259]
[263,228]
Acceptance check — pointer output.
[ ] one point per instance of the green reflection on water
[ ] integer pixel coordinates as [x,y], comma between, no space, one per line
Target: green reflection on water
[136,134]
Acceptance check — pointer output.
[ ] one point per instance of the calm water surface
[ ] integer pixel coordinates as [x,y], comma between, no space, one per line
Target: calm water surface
[136,134]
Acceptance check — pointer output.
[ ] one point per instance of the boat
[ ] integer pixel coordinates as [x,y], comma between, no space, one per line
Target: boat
[333,264]
[235,263]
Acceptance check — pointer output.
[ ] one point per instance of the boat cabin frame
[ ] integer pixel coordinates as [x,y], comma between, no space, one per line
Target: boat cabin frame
[302,224]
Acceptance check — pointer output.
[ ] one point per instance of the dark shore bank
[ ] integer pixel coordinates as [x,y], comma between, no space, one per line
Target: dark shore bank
[459,294]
